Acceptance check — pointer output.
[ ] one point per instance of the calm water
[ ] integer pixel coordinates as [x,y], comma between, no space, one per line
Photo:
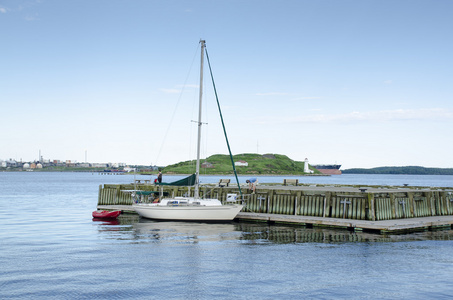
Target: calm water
[52,249]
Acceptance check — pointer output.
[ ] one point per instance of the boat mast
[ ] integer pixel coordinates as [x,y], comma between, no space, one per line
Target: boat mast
[197,172]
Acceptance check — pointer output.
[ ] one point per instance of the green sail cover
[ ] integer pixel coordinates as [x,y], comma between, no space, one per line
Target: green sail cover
[182,182]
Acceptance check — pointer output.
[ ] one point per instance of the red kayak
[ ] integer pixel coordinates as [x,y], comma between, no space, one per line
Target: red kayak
[105,214]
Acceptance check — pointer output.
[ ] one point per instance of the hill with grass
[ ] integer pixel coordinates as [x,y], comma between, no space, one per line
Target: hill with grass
[220,164]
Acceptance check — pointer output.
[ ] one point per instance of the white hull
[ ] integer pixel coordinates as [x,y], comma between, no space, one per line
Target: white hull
[188,212]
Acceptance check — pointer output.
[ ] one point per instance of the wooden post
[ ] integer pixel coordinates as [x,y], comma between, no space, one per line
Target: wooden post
[410,197]
[443,202]
[326,205]
[298,201]
[372,215]
[260,207]
[335,207]
[219,194]
[439,200]
[117,194]
[394,202]
[447,202]
[403,203]
[345,202]
[99,194]
[431,203]
[268,204]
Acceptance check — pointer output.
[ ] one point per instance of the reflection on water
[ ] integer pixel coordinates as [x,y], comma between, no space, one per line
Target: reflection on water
[185,232]
[107,221]
[138,230]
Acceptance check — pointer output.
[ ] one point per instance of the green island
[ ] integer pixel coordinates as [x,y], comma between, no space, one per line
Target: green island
[277,164]
[253,164]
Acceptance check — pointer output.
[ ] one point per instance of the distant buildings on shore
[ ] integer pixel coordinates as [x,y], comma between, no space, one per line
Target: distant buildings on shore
[49,164]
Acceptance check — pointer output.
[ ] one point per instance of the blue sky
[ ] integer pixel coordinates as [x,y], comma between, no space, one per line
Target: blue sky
[359,83]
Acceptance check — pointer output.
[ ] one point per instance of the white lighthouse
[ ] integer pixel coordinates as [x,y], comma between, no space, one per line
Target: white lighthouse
[306,169]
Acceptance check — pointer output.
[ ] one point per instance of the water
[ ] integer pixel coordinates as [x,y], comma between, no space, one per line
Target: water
[52,249]
[356,179]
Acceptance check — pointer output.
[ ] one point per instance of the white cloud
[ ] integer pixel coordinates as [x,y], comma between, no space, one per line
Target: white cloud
[372,116]
[410,114]
[179,88]
[195,86]
[31,18]
[287,94]
[306,98]
[2,10]
[171,91]
[271,94]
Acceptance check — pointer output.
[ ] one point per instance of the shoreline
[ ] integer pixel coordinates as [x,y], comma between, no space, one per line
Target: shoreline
[153,174]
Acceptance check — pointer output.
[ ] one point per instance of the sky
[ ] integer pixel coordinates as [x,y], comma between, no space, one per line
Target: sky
[359,83]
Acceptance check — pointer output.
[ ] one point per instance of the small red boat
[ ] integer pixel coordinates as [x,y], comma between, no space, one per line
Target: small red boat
[105,214]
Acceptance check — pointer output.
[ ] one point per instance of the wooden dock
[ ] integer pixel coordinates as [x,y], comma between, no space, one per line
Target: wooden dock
[387,226]
[372,208]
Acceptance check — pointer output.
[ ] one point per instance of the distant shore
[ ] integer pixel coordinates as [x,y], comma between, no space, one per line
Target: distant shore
[409,170]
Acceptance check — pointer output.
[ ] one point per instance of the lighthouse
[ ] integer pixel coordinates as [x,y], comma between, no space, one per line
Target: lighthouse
[306,169]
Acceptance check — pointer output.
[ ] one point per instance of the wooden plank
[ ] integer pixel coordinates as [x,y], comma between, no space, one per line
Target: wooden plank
[385,225]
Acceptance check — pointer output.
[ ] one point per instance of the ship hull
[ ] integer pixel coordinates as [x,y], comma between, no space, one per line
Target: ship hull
[188,213]
[328,169]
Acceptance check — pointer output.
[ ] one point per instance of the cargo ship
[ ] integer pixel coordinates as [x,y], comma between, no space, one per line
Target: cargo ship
[328,169]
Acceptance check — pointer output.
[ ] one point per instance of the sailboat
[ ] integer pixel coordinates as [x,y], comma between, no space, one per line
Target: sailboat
[191,208]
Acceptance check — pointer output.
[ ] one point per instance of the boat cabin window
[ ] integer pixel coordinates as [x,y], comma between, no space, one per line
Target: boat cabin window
[176,202]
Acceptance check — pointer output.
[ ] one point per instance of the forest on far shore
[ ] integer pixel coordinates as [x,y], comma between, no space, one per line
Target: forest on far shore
[410,170]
